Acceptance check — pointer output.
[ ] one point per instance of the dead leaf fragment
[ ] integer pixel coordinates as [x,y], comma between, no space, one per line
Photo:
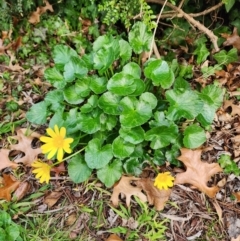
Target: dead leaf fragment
[156,197]
[22,190]
[114,237]
[124,186]
[233,39]
[235,108]
[236,239]
[5,161]
[198,173]
[9,186]
[25,145]
[52,198]
[35,16]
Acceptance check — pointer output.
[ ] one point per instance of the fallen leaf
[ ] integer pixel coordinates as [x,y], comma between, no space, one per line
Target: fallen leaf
[52,198]
[9,186]
[236,239]
[35,16]
[59,169]
[25,145]
[218,210]
[235,108]
[124,186]
[114,237]
[233,39]
[155,197]
[198,173]
[5,161]
[22,190]
[71,219]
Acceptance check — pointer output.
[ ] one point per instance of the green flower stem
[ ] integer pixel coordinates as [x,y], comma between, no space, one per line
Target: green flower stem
[66,158]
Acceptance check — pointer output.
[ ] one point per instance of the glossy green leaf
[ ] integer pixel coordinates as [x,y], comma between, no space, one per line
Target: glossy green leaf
[140,37]
[140,87]
[62,54]
[54,76]
[109,103]
[224,57]
[133,166]
[160,73]
[162,136]
[202,53]
[133,135]
[75,68]
[89,122]
[98,84]
[121,148]
[78,169]
[194,136]
[12,232]
[125,51]
[108,122]
[133,69]
[55,99]
[228,4]
[185,104]
[137,112]
[96,155]
[122,84]
[110,173]
[73,95]
[212,97]
[38,113]
[92,103]
[103,59]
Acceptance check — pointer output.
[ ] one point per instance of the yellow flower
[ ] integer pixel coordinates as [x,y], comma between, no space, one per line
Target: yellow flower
[56,143]
[164,180]
[42,171]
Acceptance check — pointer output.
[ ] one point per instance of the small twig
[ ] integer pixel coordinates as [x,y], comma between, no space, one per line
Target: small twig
[155,30]
[192,21]
[207,10]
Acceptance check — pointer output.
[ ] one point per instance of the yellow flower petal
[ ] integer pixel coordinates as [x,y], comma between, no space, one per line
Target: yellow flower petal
[45,139]
[56,129]
[52,153]
[60,154]
[51,132]
[63,132]
[42,171]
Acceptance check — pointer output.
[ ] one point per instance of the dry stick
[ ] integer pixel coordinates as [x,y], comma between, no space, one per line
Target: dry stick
[191,20]
[179,15]
[153,44]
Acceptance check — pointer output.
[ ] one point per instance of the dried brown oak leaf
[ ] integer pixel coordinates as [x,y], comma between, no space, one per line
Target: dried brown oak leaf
[125,187]
[5,161]
[114,237]
[198,173]
[235,108]
[9,185]
[232,40]
[156,197]
[35,16]
[24,145]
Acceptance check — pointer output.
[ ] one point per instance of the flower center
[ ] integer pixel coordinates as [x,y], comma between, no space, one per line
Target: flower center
[58,141]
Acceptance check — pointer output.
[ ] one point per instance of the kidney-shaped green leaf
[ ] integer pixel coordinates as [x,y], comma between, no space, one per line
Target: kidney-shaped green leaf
[110,173]
[96,155]
[185,104]
[121,84]
[121,148]
[194,136]
[78,169]
[162,136]
[62,55]
[160,73]
[134,135]
[76,67]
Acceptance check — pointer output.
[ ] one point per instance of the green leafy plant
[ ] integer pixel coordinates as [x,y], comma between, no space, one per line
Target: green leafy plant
[8,229]
[125,117]
[145,223]
[228,165]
